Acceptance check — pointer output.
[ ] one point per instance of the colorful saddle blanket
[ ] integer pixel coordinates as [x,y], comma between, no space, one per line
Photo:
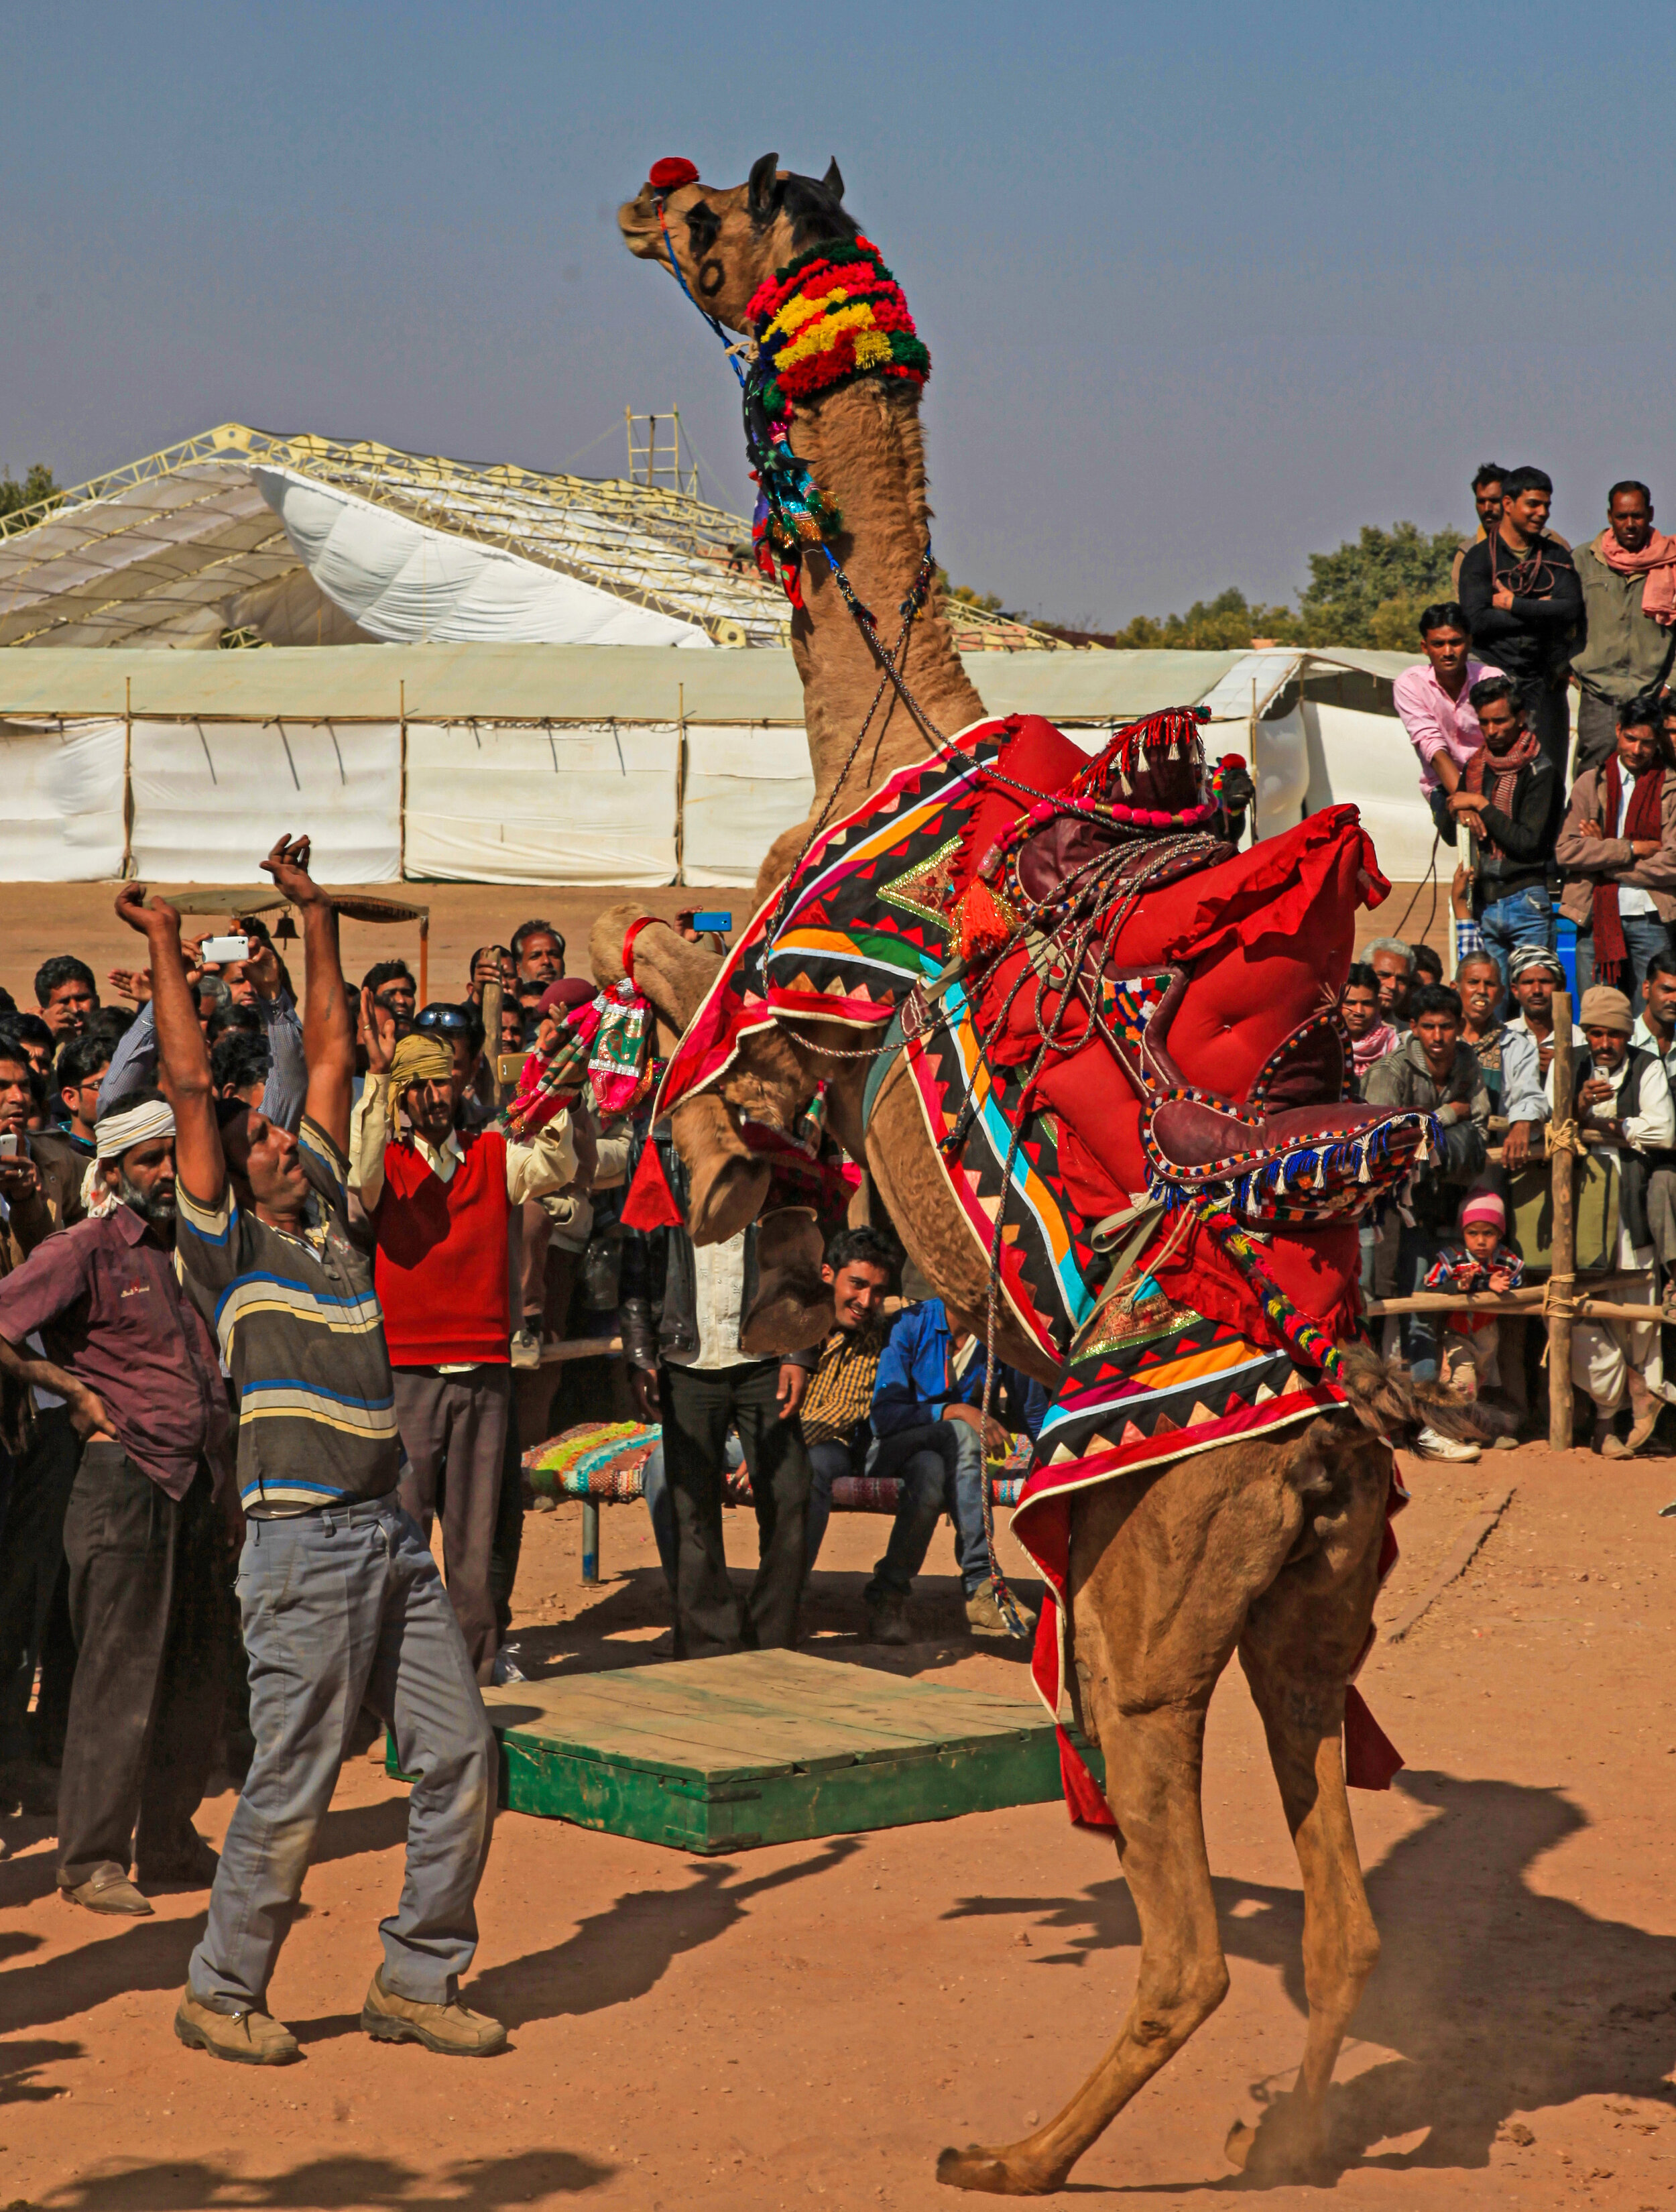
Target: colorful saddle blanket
[1123,1039]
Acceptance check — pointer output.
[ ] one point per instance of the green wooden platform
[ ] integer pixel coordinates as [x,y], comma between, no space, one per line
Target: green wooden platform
[765,1747]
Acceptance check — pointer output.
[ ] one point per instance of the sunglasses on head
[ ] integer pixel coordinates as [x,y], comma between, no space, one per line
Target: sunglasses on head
[449,1018]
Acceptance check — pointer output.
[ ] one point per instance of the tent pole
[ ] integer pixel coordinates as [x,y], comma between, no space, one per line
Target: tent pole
[401,819]
[681,783]
[1563,1268]
[127,778]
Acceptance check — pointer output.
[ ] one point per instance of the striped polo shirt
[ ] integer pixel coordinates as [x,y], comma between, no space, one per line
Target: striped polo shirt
[299,1327]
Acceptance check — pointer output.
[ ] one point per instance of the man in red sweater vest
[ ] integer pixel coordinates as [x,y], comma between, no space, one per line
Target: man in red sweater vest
[440,1201]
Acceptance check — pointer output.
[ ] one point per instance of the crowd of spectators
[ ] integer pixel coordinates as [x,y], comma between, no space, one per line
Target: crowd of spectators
[272,1266]
[1558,838]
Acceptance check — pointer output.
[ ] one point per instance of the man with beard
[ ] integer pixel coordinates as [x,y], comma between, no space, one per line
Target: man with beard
[128,1353]
[1508,797]
[1628,576]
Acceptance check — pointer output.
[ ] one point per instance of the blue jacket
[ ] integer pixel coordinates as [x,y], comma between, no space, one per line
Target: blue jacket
[913,1385]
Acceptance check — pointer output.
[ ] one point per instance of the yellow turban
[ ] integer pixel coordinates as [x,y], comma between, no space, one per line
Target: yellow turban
[421,1058]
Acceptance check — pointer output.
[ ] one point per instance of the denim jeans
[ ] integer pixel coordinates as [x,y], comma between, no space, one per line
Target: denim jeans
[1419,1332]
[1522,918]
[941,1468]
[1644,935]
[339,1605]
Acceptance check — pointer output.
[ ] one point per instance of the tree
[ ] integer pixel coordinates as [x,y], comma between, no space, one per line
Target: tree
[40,484]
[1371,592]
[1224,624]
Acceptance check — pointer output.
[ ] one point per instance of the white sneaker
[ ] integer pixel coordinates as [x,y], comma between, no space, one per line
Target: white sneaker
[1429,1445]
[506,1667]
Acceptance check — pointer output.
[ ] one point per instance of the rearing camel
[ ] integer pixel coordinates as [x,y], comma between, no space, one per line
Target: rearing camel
[1270,1547]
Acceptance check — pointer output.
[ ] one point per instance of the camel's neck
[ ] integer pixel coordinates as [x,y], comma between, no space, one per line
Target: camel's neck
[863,447]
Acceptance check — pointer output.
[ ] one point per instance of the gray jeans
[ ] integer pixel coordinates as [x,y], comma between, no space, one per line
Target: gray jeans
[338,1607]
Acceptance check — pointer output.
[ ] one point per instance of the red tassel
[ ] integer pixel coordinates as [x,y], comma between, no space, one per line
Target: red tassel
[1372,1759]
[651,1202]
[984,926]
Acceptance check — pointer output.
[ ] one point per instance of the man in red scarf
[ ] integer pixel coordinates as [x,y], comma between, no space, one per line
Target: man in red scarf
[1628,576]
[1508,797]
[1617,849]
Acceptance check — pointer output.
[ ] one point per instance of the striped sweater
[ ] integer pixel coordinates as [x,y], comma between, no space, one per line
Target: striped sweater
[299,1326]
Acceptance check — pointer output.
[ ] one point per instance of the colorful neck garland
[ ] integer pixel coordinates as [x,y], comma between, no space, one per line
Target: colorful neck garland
[830,316]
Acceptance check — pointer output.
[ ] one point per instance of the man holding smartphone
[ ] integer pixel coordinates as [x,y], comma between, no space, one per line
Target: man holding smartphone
[342,1602]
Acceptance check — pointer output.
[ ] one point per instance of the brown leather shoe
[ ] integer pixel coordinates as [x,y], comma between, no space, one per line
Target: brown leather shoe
[983,1616]
[107,1889]
[247,2038]
[450,2029]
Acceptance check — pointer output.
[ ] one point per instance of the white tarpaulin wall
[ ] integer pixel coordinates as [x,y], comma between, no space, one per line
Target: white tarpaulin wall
[552,805]
[62,818]
[743,786]
[410,585]
[1369,758]
[207,795]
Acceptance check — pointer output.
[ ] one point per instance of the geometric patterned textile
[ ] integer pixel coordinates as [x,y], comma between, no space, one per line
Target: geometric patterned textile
[1123,1037]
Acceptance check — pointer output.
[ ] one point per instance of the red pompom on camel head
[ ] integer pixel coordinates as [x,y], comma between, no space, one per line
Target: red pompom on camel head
[730,238]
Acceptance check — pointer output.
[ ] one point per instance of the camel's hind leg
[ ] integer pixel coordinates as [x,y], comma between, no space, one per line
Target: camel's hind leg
[1301,1639]
[1162,1572]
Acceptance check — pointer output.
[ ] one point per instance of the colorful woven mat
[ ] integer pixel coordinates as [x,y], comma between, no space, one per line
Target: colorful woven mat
[595,1459]
[606,1460]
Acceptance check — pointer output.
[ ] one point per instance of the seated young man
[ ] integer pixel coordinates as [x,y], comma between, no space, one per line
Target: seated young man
[928,1430]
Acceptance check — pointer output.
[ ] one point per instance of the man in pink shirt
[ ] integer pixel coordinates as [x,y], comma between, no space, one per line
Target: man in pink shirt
[1436,710]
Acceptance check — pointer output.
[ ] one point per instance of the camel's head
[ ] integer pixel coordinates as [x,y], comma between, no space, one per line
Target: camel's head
[727,240]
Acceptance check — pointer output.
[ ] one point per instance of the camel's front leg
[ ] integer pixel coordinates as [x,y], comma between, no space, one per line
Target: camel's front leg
[1153,1763]
[1302,1638]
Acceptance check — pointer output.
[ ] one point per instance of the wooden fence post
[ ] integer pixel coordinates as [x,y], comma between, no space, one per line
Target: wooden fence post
[1562,1274]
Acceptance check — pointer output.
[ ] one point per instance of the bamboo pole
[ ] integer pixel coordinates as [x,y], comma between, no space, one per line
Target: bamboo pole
[1562,1274]
[493,994]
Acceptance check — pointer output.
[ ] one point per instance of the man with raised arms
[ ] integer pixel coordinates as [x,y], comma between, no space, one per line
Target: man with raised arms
[340,1598]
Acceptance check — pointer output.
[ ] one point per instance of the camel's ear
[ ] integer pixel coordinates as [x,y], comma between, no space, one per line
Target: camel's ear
[762,193]
[834,178]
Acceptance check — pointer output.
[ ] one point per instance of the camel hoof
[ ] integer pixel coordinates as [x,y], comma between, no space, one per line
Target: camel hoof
[1287,2145]
[794,1317]
[990,2173]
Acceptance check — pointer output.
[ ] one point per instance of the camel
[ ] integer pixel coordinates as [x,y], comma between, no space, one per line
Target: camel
[1269,1547]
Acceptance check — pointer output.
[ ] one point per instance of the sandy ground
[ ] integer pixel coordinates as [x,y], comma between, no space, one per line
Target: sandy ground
[808,2024]
[39,919]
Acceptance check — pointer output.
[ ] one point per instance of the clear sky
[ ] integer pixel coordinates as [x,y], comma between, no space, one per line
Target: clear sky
[1205,286]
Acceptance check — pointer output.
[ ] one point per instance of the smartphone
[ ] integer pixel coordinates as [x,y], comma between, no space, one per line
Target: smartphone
[711,918]
[8,1146]
[223,950]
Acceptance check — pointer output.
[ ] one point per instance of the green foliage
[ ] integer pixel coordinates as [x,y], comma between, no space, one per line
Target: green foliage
[1381,582]
[1369,593]
[39,484]
[1224,624]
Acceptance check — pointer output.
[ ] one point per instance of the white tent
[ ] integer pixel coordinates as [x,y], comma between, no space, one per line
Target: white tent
[577,764]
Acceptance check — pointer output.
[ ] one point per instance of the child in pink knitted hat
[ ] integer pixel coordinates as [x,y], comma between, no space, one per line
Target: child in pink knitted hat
[1482,1262]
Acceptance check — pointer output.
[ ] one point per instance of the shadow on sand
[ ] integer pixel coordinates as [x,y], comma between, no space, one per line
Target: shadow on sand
[1496,1999]
[323,2184]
